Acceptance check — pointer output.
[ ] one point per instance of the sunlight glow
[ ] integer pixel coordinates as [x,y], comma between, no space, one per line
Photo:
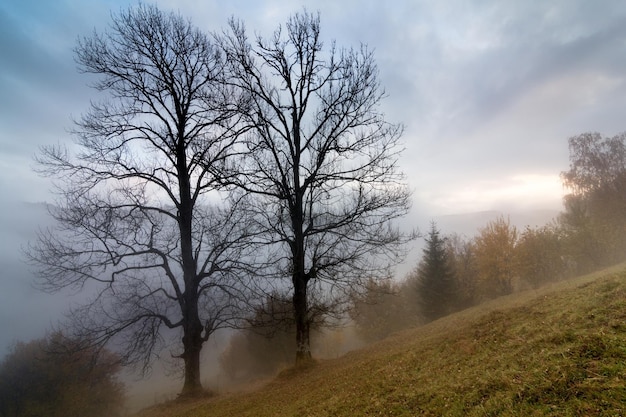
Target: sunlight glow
[520,192]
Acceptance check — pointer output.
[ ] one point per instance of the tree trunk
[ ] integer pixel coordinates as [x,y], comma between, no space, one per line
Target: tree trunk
[300,278]
[192,327]
[192,338]
[192,345]
[192,385]
[300,306]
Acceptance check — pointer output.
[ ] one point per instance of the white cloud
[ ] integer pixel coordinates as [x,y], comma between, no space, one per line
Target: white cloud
[514,194]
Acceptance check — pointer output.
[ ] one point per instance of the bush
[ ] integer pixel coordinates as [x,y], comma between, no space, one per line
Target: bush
[57,377]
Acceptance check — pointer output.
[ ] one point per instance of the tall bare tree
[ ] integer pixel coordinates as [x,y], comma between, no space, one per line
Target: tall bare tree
[320,161]
[134,214]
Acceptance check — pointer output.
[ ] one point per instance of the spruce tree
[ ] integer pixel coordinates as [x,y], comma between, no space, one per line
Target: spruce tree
[435,278]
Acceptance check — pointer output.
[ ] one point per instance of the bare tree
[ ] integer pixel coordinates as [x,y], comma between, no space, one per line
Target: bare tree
[136,223]
[320,162]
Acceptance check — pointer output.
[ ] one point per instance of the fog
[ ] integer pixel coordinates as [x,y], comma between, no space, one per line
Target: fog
[25,312]
[488,92]
[163,383]
[37,312]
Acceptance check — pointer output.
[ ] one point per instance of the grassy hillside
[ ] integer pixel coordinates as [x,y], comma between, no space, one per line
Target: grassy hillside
[557,351]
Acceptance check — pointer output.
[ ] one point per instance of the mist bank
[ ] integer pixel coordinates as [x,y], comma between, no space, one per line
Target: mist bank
[27,313]
[468,224]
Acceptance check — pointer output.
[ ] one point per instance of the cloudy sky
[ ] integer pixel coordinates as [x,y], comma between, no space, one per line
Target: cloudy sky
[489,90]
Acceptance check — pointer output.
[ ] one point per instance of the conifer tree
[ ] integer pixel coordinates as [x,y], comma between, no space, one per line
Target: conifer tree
[435,279]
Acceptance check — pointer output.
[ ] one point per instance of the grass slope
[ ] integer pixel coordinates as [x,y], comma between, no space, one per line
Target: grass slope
[557,351]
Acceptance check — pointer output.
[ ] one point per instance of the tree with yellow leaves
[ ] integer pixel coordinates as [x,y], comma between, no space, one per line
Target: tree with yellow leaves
[495,258]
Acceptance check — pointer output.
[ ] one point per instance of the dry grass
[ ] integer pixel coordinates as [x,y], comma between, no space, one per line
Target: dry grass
[557,351]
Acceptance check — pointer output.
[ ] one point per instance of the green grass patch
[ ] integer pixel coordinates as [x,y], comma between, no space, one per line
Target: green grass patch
[558,351]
